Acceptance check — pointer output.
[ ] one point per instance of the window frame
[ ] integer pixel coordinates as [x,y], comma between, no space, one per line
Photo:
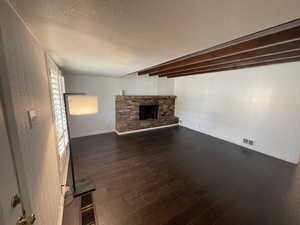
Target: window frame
[55,77]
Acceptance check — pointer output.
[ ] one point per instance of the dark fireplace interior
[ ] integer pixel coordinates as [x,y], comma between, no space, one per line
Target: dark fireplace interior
[148,112]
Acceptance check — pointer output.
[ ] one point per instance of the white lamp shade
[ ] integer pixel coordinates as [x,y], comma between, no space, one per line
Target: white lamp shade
[82,104]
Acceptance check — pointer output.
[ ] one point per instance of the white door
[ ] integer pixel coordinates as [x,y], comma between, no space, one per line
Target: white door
[8,183]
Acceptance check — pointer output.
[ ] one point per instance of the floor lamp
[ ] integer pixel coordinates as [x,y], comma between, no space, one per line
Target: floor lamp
[79,104]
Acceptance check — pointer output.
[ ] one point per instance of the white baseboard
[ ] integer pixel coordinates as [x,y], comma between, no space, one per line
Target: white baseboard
[239,144]
[146,129]
[92,133]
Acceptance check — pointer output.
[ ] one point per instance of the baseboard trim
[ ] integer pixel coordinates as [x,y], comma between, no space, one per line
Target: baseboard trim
[146,129]
[247,147]
[92,133]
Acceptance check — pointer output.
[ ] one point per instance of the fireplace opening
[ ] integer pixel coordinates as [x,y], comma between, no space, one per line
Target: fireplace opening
[148,112]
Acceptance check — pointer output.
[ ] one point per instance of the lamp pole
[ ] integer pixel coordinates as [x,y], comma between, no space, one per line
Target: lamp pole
[87,188]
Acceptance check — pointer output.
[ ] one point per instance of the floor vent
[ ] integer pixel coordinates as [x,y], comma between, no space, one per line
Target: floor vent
[87,210]
[86,201]
[88,217]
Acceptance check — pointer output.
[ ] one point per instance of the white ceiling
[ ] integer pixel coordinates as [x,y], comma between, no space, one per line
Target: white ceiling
[117,37]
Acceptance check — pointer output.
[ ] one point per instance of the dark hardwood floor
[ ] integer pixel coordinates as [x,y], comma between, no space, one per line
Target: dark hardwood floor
[177,176]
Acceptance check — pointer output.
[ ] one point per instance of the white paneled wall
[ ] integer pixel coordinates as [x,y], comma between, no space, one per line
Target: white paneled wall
[105,88]
[146,85]
[26,88]
[261,104]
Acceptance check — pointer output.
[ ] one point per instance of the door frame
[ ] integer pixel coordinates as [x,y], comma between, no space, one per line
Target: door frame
[12,131]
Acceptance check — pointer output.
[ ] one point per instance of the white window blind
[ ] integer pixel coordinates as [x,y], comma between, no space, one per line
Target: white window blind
[57,84]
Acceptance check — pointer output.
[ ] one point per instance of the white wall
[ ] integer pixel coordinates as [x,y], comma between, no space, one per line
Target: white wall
[261,103]
[103,87]
[106,88]
[24,86]
[146,85]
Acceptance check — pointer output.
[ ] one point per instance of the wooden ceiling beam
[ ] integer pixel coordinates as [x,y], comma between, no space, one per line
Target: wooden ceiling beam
[271,50]
[238,66]
[272,36]
[241,62]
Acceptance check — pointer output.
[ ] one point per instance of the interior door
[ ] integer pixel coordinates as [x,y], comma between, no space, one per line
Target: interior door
[9,189]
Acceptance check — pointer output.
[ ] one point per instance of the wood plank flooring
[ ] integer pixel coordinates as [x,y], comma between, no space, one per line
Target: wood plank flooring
[177,176]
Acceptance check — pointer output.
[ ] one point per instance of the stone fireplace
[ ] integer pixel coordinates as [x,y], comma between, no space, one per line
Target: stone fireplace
[141,112]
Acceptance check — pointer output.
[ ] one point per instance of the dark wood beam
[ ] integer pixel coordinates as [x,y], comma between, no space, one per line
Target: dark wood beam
[235,67]
[241,62]
[272,36]
[271,50]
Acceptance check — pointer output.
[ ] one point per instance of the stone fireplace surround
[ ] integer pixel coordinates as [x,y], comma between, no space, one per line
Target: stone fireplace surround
[127,112]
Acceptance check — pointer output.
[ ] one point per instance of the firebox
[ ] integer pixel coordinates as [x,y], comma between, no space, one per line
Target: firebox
[148,112]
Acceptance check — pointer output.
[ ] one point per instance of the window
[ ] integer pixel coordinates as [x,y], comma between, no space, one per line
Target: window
[57,86]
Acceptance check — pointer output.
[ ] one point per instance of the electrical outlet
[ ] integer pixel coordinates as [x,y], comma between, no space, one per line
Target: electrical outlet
[251,142]
[245,141]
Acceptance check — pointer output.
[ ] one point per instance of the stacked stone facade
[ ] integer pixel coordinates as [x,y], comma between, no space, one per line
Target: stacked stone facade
[127,112]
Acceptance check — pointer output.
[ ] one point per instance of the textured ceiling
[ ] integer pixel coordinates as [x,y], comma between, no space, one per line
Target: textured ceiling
[117,37]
